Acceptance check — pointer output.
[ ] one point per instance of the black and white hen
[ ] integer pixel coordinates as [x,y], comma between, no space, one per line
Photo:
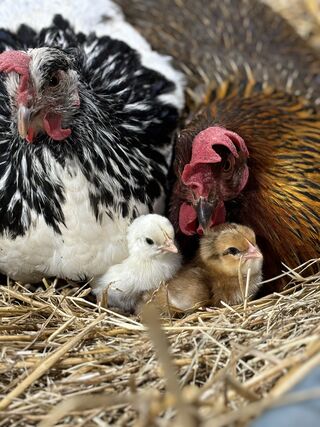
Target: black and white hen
[87,115]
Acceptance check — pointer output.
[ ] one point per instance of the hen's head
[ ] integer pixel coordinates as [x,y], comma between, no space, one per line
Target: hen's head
[217,172]
[43,87]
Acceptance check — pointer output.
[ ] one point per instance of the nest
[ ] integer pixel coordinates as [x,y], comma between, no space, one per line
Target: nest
[66,361]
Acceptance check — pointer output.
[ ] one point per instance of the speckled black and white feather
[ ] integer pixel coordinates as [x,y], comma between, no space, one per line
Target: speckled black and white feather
[65,205]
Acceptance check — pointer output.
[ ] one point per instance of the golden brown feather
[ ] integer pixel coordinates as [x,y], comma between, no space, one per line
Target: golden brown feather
[285,175]
[251,73]
[281,200]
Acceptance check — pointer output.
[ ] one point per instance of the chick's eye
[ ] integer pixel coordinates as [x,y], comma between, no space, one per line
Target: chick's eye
[149,241]
[54,80]
[231,251]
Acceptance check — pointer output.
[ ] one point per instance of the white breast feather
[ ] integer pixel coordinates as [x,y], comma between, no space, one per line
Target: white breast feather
[85,247]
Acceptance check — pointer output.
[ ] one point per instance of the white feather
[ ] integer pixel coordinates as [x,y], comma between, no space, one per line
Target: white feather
[85,247]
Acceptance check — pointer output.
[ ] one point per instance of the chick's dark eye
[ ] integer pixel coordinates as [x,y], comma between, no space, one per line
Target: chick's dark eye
[231,251]
[54,80]
[149,241]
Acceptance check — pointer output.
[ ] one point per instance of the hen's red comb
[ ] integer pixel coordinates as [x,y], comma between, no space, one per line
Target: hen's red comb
[18,62]
[14,60]
[203,153]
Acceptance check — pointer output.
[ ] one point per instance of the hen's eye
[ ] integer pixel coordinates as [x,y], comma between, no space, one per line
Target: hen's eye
[54,80]
[227,166]
[231,251]
[149,241]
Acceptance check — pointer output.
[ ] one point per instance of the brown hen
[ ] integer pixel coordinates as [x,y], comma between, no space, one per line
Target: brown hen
[255,89]
[280,200]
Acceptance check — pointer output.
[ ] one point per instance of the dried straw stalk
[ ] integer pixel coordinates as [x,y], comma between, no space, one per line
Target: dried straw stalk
[94,367]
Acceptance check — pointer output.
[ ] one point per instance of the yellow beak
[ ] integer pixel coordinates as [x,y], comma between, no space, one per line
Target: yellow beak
[23,121]
[252,252]
[169,246]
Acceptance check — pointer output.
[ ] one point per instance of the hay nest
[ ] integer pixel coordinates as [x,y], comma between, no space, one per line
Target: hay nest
[66,361]
[97,368]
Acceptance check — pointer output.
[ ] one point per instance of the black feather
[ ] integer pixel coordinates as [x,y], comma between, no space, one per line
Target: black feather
[118,133]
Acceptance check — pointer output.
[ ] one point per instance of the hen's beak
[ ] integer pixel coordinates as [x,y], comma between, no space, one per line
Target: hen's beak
[204,210]
[252,252]
[24,115]
[169,246]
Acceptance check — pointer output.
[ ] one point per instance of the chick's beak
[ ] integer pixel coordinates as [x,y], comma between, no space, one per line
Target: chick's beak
[205,210]
[24,115]
[169,246]
[252,252]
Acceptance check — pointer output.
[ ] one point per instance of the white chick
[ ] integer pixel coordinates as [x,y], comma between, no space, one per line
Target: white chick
[153,259]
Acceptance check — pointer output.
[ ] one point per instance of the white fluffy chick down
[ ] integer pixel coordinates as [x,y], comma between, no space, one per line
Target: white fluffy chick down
[153,259]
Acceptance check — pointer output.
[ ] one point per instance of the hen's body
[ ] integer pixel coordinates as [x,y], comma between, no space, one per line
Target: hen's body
[281,199]
[255,77]
[65,205]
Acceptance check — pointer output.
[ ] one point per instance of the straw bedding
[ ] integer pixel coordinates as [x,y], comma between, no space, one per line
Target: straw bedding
[230,363]
[65,361]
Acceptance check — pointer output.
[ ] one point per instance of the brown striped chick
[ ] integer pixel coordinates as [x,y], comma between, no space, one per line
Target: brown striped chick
[218,272]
